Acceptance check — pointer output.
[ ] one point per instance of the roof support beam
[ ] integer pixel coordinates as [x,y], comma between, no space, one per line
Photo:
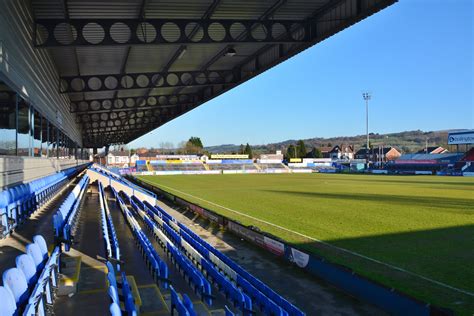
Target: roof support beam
[125,114]
[135,103]
[113,82]
[98,32]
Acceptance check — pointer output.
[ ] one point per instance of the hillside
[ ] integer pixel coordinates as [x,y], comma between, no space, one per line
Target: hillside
[407,142]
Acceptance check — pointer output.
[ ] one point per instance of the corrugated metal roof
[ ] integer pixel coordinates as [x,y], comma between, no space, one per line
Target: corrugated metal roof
[249,60]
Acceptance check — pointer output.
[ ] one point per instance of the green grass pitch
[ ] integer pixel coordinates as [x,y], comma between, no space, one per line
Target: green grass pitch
[423,225]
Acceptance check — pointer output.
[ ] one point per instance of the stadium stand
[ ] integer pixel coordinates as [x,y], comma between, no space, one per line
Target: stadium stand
[232,166]
[196,279]
[265,166]
[422,163]
[157,267]
[183,305]
[220,268]
[32,290]
[29,289]
[18,203]
[178,167]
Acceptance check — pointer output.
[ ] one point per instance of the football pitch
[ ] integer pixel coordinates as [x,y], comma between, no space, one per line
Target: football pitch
[413,233]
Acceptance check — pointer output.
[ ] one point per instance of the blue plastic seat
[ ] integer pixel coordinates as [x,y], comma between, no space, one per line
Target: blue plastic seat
[39,240]
[8,304]
[26,264]
[35,252]
[15,281]
[4,201]
[115,309]
[113,294]
[189,305]
[228,312]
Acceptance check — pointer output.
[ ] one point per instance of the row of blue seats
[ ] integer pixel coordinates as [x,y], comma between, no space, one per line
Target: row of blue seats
[195,277]
[183,306]
[265,304]
[110,236]
[19,202]
[29,289]
[234,294]
[157,266]
[65,218]
[145,244]
[117,281]
[125,295]
[267,299]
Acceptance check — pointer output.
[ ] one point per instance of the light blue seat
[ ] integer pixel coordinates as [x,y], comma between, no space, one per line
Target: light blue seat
[115,310]
[4,201]
[8,304]
[112,280]
[113,294]
[34,251]
[15,281]
[26,264]
[39,240]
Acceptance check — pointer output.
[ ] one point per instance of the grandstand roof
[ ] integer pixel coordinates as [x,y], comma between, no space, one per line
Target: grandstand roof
[128,67]
[449,157]
[433,150]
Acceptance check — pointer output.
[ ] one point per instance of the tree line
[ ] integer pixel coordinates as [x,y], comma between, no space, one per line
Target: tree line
[299,151]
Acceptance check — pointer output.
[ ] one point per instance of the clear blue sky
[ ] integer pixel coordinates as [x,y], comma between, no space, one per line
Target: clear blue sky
[416,57]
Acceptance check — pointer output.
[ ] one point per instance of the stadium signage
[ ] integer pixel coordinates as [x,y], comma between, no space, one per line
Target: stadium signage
[458,138]
[295,160]
[300,258]
[246,233]
[274,246]
[229,156]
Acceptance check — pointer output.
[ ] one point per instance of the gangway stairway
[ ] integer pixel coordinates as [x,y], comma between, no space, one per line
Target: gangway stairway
[155,300]
[91,295]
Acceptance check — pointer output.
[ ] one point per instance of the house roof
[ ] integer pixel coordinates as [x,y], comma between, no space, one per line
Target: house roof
[343,148]
[325,149]
[120,153]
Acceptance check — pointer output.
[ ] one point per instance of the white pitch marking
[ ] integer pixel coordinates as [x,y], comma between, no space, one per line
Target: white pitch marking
[325,243]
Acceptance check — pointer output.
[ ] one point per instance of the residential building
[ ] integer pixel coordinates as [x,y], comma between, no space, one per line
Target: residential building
[378,154]
[341,152]
[121,158]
